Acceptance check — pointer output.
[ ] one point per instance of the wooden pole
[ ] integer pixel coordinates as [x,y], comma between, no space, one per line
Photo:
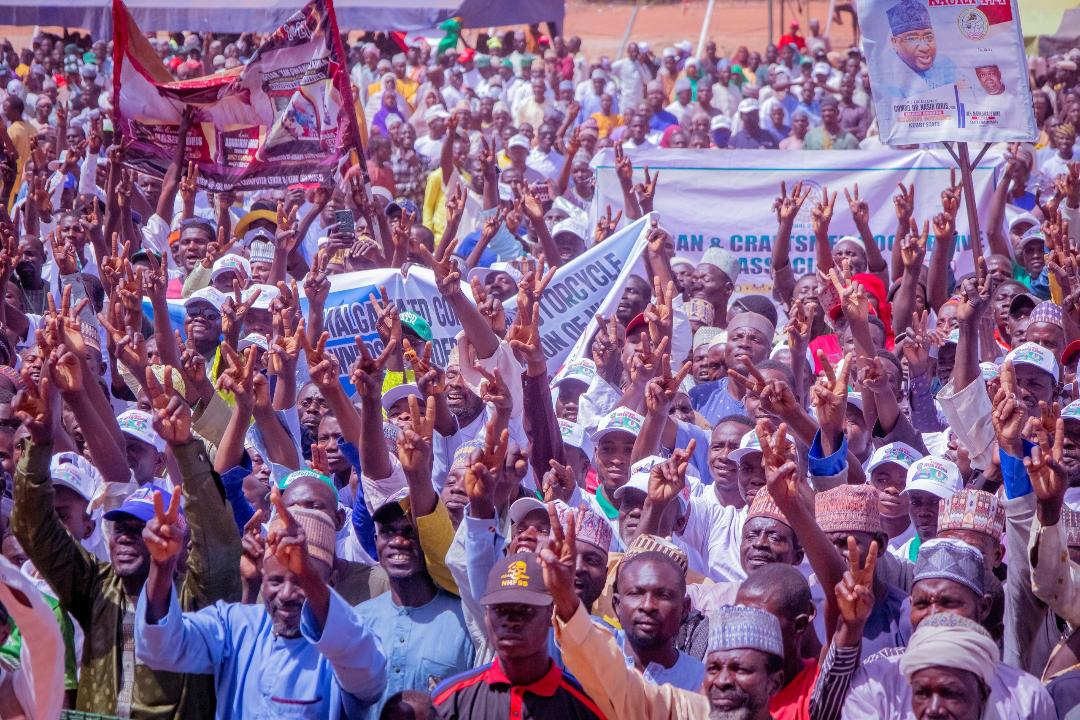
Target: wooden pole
[629,27]
[771,36]
[964,159]
[705,28]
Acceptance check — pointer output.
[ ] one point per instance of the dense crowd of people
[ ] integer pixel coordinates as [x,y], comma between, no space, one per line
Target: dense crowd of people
[856,498]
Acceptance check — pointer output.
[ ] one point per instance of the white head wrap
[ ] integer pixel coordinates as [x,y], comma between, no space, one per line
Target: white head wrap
[951,641]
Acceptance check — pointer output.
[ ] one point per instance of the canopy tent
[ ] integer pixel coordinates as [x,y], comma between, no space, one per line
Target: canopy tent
[1050,26]
[247,15]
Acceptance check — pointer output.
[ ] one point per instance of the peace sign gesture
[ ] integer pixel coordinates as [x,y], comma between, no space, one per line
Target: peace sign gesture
[239,378]
[558,482]
[854,596]
[1047,473]
[164,533]
[447,275]
[667,479]
[829,395]
[624,169]
[286,540]
[646,191]
[661,390]
[414,443]
[388,321]
[904,203]
[852,295]
[494,390]
[172,414]
[217,249]
[860,210]
[787,207]
[606,224]
[234,309]
[607,347]
[559,560]
[950,196]
[367,372]
[189,185]
[822,214]
[913,246]
[33,406]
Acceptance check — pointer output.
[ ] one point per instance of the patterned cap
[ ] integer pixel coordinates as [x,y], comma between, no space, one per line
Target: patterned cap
[989,370]
[517,578]
[945,558]
[848,508]
[464,452]
[319,532]
[90,335]
[897,453]
[621,419]
[1071,411]
[1035,355]
[1070,519]
[971,509]
[737,627]
[261,251]
[583,370]
[1047,312]
[306,473]
[591,528]
[763,505]
[700,310]
[140,425]
[573,434]
[908,15]
[654,543]
[705,335]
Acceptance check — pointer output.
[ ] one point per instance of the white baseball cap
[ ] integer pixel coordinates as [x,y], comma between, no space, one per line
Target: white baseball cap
[482,273]
[748,105]
[74,478]
[639,479]
[518,141]
[398,392]
[1036,355]
[257,339]
[573,434]
[1071,411]
[583,370]
[934,475]
[523,506]
[139,425]
[209,295]
[569,225]
[897,453]
[266,296]
[621,419]
[231,263]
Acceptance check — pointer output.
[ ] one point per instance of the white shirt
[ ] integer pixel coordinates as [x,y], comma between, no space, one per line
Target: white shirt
[714,532]
[548,164]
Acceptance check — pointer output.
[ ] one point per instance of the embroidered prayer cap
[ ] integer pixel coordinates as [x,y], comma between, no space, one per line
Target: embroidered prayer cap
[1047,312]
[848,508]
[1035,355]
[319,532]
[654,543]
[1070,519]
[897,453]
[591,528]
[945,558]
[763,505]
[706,334]
[738,627]
[700,311]
[907,16]
[517,579]
[725,260]
[971,509]
[621,419]
[952,641]
[935,475]
[90,335]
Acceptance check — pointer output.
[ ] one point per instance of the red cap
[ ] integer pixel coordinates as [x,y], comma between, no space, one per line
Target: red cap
[638,321]
[466,55]
[1070,352]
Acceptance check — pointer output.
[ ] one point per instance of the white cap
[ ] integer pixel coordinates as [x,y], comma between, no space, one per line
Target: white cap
[398,392]
[749,443]
[781,72]
[569,225]
[523,506]
[1071,411]
[726,260]
[749,105]
[720,122]
[1024,218]
[1036,355]
[639,478]
[436,112]
[257,339]
[852,239]
[230,263]
[139,425]
[518,141]
[210,295]
[583,370]
[620,419]
[73,476]
[669,52]
[266,296]
[573,434]
[822,68]
[897,453]
[934,475]
[482,273]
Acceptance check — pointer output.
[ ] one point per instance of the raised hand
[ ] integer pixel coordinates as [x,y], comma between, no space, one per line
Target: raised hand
[221,247]
[66,370]
[904,203]
[494,390]
[172,414]
[286,345]
[913,246]
[1047,473]
[189,185]
[558,482]
[786,206]
[239,378]
[164,533]
[367,372]
[661,390]
[829,395]
[254,548]
[388,320]
[667,479]
[798,327]
[853,300]
[559,560]
[624,169]
[781,470]
[916,348]
[316,282]
[854,593]
[286,540]
[524,339]
[607,347]
[447,275]
[235,308]
[822,214]
[975,295]
[646,191]
[33,406]
[414,443]
[860,210]
[1008,414]
[606,224]
[950,196]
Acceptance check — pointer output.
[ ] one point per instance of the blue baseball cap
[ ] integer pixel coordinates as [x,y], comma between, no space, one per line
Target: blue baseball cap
[140,504]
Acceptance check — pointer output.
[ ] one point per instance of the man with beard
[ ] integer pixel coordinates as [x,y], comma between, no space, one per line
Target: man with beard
[714,280]
[650,602]
[304,652]
[28,275]
[635,297]
[743,666]
[101,596]
[420,625]
[522,682]
[749,339]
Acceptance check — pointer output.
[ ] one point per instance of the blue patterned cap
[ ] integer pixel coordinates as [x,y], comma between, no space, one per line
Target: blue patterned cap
[737,627]
[908,15]
[945,558]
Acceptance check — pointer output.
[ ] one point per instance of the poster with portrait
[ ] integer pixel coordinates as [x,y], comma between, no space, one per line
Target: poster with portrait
[281,118]
[947,70]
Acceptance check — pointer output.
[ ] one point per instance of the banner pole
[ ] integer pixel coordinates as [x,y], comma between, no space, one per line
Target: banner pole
[964,160]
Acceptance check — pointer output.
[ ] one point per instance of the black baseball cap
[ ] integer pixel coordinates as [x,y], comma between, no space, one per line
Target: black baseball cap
[516,579]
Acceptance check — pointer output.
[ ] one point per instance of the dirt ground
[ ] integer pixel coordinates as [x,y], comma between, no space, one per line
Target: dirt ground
[601,25]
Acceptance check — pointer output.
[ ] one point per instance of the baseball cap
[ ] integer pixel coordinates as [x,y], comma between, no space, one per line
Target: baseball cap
[139,425]
[720,122]
[748,105]
[417,324]
[934,475]
[897,453]
[620,419]
[583,370]
[398,392]
[517,141]
[573,434]
[1021,301]
[569,225]
[402,204]
[481,274]
[230,263]
[822,68]
[748,443]
[257,339]
[209,295]
[1071,412]
[140,504]
[517,579]
[523,506]
[74,478]
[1036,355]
[1022,219]
[267,295]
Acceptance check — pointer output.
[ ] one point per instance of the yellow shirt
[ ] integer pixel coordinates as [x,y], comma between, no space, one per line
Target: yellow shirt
[607,123]
[435,200]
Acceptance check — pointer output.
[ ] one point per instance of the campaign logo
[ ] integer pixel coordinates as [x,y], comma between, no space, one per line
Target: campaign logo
[973,24]
[516,575]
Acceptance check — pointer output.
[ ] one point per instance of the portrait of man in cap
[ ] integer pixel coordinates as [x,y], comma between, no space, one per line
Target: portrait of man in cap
[915,43]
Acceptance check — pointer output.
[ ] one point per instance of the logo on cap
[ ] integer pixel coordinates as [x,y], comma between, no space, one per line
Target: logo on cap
[516,575]
[932,473]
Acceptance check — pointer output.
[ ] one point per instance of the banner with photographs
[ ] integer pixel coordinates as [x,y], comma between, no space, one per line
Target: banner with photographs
[283,118]
[947,70]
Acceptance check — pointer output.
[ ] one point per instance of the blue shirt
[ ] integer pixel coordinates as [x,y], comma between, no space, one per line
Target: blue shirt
[687,673]
[714,402]
[423,645]
[662,120]
[330,672]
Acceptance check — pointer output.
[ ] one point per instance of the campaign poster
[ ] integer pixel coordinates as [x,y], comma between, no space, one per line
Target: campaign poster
[947,70]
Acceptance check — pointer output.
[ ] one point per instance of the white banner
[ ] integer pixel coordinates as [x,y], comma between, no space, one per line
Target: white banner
[944,70]
[724,198]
